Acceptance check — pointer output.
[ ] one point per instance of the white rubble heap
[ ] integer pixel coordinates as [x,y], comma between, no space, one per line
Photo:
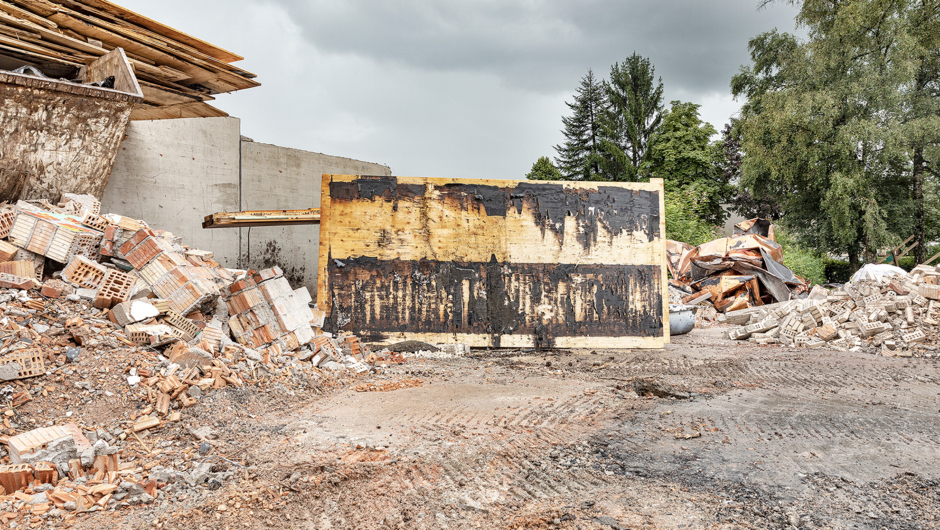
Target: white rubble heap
[896,316]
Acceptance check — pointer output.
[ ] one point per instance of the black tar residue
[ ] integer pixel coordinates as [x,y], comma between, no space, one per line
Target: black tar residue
[617,209]
[386,297]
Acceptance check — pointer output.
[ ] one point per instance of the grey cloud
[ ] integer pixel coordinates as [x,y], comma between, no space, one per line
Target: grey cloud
[545,46]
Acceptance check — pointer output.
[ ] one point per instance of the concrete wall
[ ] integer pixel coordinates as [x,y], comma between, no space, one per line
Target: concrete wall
[172,173]
[275,178]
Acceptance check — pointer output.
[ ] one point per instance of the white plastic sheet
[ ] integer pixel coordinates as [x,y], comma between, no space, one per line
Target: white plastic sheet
[877,271]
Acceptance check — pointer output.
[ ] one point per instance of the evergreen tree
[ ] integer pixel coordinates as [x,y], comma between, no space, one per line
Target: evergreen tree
[543,169]
[631,117]
[579,157]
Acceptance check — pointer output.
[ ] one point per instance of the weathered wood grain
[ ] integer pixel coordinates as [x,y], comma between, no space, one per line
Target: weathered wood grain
[495,262]
[58,137]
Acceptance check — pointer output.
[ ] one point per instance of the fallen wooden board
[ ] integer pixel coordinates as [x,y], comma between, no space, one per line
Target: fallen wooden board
[262,218]
[494,263]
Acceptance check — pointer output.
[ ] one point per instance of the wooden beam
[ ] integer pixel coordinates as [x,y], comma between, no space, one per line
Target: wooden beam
[28,15]
[262,218]
[935,256]
[895,250]
[172,33]
[905,252]
[183,110]
[156,94]
[209,74]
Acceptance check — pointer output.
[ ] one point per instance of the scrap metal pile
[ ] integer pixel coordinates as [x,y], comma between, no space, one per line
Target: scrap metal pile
[895,315]
[736,272]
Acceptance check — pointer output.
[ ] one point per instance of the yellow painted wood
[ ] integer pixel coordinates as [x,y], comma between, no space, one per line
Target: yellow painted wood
[665,277]
[443,228]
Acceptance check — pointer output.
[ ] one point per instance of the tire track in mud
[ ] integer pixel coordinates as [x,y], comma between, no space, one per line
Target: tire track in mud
[514,464]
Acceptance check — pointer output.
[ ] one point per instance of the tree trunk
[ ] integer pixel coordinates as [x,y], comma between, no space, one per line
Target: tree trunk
[920,236]
[853,262]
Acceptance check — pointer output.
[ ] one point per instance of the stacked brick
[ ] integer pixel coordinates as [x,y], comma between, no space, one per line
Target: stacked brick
[169,275]
[59,237]
[893,316]
[267,315]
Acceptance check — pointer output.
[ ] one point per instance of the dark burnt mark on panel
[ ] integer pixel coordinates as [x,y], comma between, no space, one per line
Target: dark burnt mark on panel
[377,298]
[368,187]
[617,209]
[494,200]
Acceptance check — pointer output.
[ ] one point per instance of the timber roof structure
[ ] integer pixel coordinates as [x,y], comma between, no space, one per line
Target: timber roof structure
[178,73]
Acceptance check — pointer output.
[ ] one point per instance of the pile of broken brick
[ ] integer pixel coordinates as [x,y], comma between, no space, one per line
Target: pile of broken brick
[895,316]
[76,286]
[158,290]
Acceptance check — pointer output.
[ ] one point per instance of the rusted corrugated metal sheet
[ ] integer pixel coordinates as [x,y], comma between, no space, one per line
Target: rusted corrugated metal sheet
[59,137]
[494,262]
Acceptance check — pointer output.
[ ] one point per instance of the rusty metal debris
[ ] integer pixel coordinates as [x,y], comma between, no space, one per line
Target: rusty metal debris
[734,273]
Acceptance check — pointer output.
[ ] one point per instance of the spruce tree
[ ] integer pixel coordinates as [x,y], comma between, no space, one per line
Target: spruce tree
[633,113]
[579,157]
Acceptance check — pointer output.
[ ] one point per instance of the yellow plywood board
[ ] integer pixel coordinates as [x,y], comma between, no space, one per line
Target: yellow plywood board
[494,263]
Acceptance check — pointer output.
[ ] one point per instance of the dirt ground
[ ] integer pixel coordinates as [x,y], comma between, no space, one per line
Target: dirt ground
[707,433]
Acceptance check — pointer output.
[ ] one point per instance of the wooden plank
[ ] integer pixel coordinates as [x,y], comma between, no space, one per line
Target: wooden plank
[895,250]
[908,249]
[40,7]
[501,263]
[262,218]
[168,41]
[162,29]
[24,14]
[658,183]
[324,303]
[185,110]
[114,63]
[53,36]
[935,256]
[199,71]
[155,94]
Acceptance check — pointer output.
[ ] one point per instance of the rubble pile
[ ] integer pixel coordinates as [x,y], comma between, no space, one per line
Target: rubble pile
[895,316]
[733,273]
[109,331]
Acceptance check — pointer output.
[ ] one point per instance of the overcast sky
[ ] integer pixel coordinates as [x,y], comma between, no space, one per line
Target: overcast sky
[471,88]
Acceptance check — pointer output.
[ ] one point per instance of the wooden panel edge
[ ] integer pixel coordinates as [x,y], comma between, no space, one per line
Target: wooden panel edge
[526,341]
[662,249]
[323,281]
[440,181]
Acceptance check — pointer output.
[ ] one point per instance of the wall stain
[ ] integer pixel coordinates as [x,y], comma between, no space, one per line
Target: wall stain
[271,254]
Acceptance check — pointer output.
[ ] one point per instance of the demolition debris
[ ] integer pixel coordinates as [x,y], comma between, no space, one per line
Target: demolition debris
[736,272]
[896,316]
[126,313]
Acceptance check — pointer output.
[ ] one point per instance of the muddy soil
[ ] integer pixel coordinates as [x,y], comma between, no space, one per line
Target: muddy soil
[707,433]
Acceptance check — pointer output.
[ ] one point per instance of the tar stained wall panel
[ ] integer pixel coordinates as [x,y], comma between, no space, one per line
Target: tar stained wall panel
[494,263]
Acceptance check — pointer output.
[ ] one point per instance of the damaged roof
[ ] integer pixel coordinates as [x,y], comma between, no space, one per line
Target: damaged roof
[178,73]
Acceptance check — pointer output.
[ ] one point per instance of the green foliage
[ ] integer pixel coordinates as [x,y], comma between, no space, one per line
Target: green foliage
[840,127]
[837,271]
[543,169]
[631,117]
[804,262]
[684,218]
[579,156]
[680,153]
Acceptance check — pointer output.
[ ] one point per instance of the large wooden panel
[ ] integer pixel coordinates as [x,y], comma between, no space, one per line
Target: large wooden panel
[495,263]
